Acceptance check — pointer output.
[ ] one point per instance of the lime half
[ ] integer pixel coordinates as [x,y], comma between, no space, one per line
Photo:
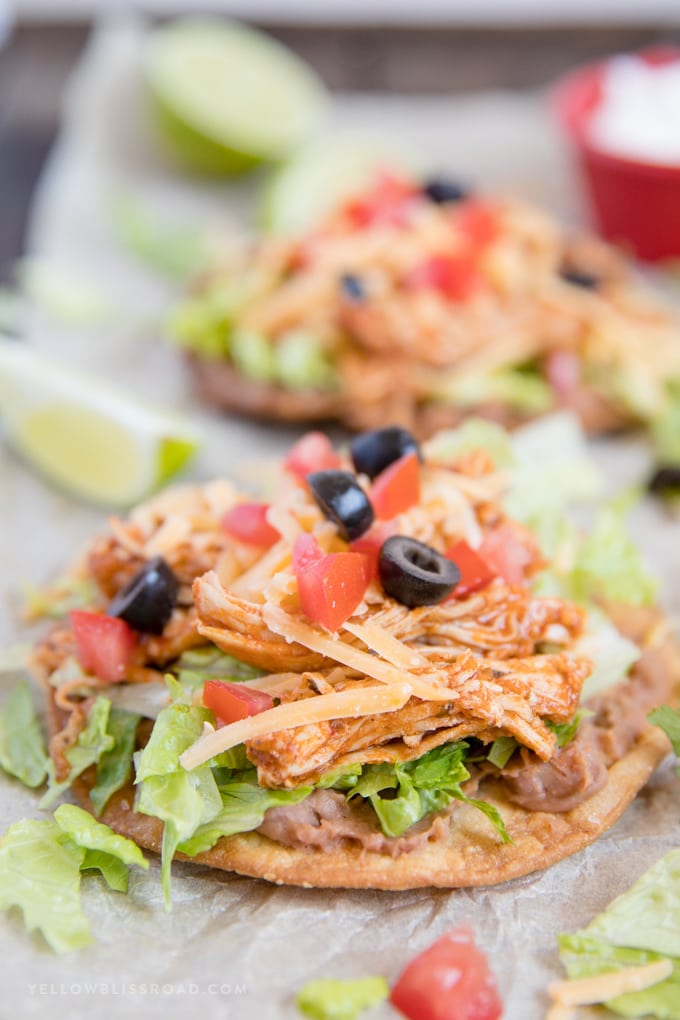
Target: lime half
[228,97]
[324,172]
[87,438]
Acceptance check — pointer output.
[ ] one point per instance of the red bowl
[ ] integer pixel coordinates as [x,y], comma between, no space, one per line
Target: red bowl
[635,204]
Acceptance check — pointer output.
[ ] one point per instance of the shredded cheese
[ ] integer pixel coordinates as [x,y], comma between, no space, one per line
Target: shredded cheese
[253,581]
[370,665]
[558,1012]
[349,704]
[602,987]
[386,645]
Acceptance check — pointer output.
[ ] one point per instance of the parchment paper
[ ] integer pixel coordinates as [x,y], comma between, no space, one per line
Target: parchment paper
[234,947]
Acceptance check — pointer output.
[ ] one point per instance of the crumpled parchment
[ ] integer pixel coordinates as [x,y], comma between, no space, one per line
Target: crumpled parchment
[234,947]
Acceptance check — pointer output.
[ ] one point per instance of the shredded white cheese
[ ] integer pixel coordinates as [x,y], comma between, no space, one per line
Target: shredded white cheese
[602,987]
[350,704]
[370,665]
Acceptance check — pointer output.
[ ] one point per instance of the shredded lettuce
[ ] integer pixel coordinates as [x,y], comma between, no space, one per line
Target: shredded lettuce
[40,866]
[203,324]
[608,564]
[417,788]
[665,426]
[565,732]
[182,800]
[92,742]
[329,999]
[501,751]
[639,927]
[22,746]
[210,661]
[473,434]
[520,389]
[105,850]
[40,874]
[302,363]
[55,600]
[253,354]
[611,654]
[553,469]
[114,767]
[668,719]
[244,805]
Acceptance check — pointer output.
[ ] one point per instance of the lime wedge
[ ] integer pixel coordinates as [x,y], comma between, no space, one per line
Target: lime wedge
[228,97]
[84,436]
[325,171]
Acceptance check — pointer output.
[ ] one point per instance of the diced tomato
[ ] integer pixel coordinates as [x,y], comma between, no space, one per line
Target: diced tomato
[305,551]
[230,701]
[449,981]
[104,644]
[248,523]
[384,201]
[563,371]
[455,276]
[396,488]
[313,452]
[478,222]
[505,553]
[332,587]
[371,543]
[475,572]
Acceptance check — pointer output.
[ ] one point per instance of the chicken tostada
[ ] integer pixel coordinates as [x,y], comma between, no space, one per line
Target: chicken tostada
[404,669]
[418,302]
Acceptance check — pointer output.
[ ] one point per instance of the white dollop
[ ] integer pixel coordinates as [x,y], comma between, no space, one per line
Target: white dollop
[639,114]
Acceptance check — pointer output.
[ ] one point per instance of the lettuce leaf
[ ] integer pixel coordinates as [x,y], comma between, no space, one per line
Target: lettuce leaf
[115,765]
[553,470]
[40,874]
[182,800]
[55,600]
[473,434]
[611,654]
[40,866]
[329,999]
[668,719]
[244,805]
[22,746]
[640,926]
[608,564]
[430,783]
[210,661]
[665,427]
[517,388]
[92,742]
[90,834]
[565,732]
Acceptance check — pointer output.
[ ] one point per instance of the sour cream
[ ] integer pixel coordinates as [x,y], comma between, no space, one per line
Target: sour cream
[639,114]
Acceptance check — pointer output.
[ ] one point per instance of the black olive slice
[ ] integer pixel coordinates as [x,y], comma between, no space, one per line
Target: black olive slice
[372,452]
[147,601]
[580,278]
[353,288]
[343,501]
[415,574]
[665,481]
[444,190]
